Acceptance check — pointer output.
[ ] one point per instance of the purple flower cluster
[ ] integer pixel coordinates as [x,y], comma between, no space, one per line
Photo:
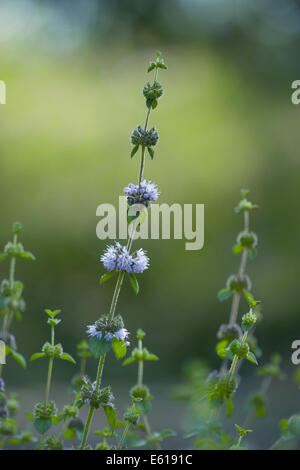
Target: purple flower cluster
[144,194]
[122,334]
[118,257]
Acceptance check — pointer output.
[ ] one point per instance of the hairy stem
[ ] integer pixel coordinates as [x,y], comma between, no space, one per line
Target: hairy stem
[126,429]
[237,296]
[48,385]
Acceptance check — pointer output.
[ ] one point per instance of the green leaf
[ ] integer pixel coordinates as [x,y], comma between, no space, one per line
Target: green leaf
[67,357]
[42,425]
[154,104]
[30,416]
[151,67]
[242,432]
[53,321]
[57,419]
[224,294]
[37,356]
[17,356]
[237,249]
[151,357]
[134,283]
[144,406]
[52,313]
[229,407]
[251,357]
[149,103]
[99,347]
[3,256]
[151,152]
[134,150]
[119,348]
[221,348]
[28,255]
[107,276]
[69,433]
[111,416]
[167,433]
[130,360]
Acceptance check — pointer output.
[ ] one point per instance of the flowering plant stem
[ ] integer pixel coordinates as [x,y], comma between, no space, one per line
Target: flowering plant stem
[48,385]
[236,358]
[8,317]
[237,295]
[115,298]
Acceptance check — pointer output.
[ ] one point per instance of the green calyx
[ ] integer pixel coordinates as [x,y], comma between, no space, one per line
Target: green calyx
[45,410]
[131,416]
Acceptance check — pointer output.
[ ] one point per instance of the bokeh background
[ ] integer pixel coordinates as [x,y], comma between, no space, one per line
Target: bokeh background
[74,72]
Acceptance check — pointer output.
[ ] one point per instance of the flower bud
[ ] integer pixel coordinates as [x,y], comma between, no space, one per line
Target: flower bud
[45,410]
[247,239]
[248,320]
[239,349]
[131,416]
[72,411]
[238,283]
[145,138]
[140,391]
[54,443]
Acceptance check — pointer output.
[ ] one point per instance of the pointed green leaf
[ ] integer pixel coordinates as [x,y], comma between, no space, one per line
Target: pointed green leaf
[130,360]
[37,356]
[251,357]
[107,276]
[167,433]
[119,348]
[67,357]
[224,294]
[42,425]
[28,255]
[151,152]
[134,150]
[151,357]
[99,347]
[111,416]
[17,357]
[3,256]
[149,103]
[134,283]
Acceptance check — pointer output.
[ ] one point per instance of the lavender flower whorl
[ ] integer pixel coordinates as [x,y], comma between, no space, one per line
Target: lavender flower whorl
[144,194]
[118,257]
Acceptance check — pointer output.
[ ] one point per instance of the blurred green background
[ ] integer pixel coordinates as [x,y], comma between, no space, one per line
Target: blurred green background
[74,72]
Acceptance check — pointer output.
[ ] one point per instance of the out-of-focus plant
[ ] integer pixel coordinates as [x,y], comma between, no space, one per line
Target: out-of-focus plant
[141,403]
[206,392]
[12,305]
